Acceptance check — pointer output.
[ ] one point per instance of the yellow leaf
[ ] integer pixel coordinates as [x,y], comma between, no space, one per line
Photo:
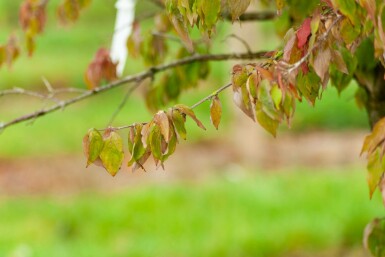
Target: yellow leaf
[112,152]
[216,111]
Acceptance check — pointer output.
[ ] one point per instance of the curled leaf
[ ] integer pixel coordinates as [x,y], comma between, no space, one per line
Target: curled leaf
[161,120]
[215,111]
[189,112]
[179,124]
[374,237]
[138,149]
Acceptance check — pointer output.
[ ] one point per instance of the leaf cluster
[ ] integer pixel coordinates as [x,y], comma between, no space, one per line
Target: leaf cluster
[157,138]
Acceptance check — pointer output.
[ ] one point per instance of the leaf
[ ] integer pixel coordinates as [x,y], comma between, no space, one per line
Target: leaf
[376,168]
[92,145]
[145,132]
[373,140]
[374,237]
[161,120]
[322,62]
[171,146]
[347,8]
[348,32]
[265,120]
[138,149]
[252,84]
[210,10]
[264,97]
[303,33]
[101,68]
[112,152]
[189,112]
[276,95]
[280,4]
[239,77]
[309,85]
[182,31]
[131,139]
[155,142]
[215,111]
[235,7]
[139,164]
[239,101]
[179,124]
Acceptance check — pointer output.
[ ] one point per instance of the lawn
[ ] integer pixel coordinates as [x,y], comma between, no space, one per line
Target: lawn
[290,212]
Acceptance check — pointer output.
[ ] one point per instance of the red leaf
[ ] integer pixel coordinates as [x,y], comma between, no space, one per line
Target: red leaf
[304,32]
[101,68]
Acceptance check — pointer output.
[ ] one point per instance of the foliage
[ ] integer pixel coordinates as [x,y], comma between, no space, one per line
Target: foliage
[324,41]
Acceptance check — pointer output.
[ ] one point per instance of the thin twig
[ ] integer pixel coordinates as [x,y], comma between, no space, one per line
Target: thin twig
[244,42]
[255,16]
[135,78]
[208,98]
[123,103]
[22,91]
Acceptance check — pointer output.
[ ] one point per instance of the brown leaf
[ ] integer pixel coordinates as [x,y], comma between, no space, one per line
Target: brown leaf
[373,140]
[239,101]
[101,68]
[215,111]
[162,121]
[235,7]
[322,62]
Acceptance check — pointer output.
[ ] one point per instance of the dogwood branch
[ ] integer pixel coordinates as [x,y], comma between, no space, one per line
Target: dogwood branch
[134,78]
[207,98]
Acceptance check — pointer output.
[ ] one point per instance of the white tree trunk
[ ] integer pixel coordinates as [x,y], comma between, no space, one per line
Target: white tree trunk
[123,29]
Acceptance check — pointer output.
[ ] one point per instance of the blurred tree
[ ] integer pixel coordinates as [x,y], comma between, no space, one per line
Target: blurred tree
[334,41]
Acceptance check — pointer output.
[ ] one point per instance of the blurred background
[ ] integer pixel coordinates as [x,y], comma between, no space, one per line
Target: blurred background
[232,192]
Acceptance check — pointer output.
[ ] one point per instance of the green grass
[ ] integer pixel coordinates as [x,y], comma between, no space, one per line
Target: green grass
[254,215]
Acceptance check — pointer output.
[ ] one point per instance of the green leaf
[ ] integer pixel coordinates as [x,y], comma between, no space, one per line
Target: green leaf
[252,85]
[276,95]
[189,112]
[179,124]
[265,120]
[171,146]
[138,148]
[309,85]
[347,8]
[112,153]
[210,10]
[266,100]
[348,32]
[92,145]
[374,237]
[155,139]
[215,111]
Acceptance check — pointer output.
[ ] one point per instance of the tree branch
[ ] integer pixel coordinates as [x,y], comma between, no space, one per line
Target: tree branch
[207,98]
[135,78]
[256,16]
